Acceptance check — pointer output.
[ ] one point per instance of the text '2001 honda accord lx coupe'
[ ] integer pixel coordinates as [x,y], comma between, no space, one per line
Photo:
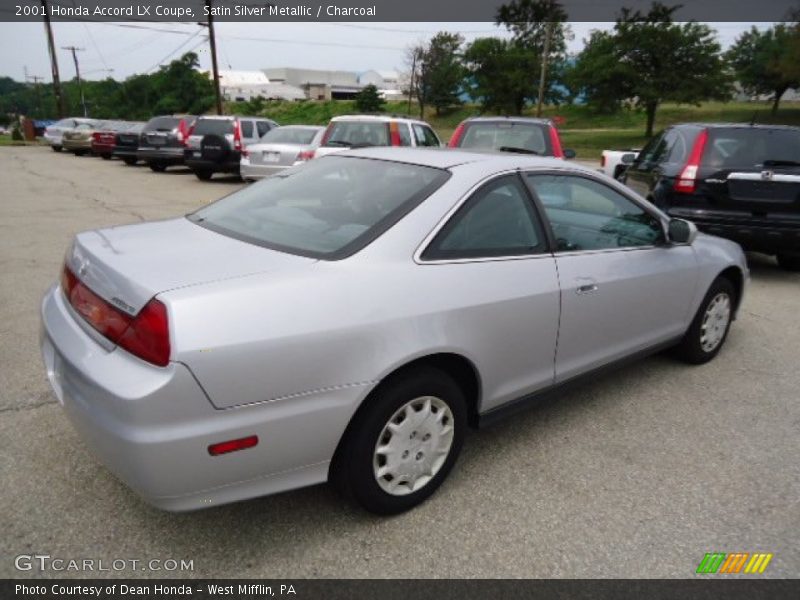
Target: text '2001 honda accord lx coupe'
[347,319]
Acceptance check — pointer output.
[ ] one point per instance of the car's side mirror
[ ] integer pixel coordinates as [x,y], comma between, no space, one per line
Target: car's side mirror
[628,159]
[569,153]
[680,231]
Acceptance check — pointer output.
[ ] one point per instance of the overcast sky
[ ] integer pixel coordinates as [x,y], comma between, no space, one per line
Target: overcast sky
[129,48]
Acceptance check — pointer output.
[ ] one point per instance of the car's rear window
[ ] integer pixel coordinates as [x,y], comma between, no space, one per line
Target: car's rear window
[740,148]
[356,134]
[289,135]
[494,135]
[213,126]
[162,124]
[328,208]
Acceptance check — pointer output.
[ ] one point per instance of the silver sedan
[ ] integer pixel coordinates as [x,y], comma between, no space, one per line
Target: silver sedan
[349,318]
[279,149]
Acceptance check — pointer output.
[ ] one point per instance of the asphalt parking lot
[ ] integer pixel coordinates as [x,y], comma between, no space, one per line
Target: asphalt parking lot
[638,475]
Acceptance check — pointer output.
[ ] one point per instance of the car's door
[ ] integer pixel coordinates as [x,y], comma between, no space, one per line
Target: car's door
[623,288]
[645,170]
[491,259]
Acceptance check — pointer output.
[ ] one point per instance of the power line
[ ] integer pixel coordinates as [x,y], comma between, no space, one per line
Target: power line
[182,44]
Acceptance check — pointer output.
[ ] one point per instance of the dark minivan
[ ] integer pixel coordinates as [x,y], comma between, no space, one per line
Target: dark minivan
[741,182]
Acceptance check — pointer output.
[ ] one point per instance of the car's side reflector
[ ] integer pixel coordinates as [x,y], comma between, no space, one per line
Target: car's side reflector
[233,445]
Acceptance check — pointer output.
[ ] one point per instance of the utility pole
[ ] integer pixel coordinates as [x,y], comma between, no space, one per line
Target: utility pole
[51,48]
[213,43]
[36,79]
[548,35]
[411,84]
[74,51]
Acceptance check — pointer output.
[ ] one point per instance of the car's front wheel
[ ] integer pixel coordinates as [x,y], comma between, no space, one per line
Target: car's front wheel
[711,324]
[157,167]
[130,160]
[402,444]
[204,174]
[56,148]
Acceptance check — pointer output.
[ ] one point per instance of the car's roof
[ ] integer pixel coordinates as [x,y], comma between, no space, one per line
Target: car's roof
[490,119]
[301,127]
[446,158]
[736,126]
[381,118]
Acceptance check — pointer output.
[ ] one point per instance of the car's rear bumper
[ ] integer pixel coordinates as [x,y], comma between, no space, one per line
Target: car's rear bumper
[125,152]
[250,171]
[230,165]
[763,235]
[76,144]
[102,148]
[168,155]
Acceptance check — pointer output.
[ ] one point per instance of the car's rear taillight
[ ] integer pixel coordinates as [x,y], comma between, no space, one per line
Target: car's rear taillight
[237,136]
[145,335]
[394,133]
[602,160]
[456,137]
[686,183]
[555,142]
[305,155]
[96,136]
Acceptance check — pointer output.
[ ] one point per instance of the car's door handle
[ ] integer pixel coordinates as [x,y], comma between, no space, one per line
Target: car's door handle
[586,288]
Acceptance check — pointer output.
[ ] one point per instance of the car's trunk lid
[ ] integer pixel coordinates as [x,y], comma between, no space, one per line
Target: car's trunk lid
[128,265]
[274,154]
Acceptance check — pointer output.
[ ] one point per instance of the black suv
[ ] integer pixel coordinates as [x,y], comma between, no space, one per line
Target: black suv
[741,182]
[216,143]
[162,140]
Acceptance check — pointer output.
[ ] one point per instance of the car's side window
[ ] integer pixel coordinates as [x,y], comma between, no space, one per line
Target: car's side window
[497,220]
[585,214]
[405,134]
[263,127]
[650,152]
[247,128]
[424,135]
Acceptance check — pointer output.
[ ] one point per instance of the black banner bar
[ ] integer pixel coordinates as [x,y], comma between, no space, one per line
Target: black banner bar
[191,11]
[711,588]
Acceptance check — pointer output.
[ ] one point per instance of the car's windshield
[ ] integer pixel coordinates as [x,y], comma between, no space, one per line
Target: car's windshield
[494,135]
[358,133]
[215,126]
[162,124]
[328,208]
[741,148]
[289,135]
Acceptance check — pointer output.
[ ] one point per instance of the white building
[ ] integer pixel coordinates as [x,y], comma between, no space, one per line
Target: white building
[389,83]
[241,86]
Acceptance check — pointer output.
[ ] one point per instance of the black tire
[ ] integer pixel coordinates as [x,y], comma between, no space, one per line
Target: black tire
[79,152]
[56,148]
[352,469]
[105,156]
[203,174]
[790,262]
[690,349]
[157,167]
[129,160]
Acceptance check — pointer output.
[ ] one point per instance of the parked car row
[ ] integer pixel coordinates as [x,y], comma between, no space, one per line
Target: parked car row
[255,147]
[737,181]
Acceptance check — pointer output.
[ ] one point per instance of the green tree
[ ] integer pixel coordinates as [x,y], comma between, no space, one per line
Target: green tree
[539,27]
[368,100]
[767,62]
[498,74]
[180,87]
[648,59]
[438,71]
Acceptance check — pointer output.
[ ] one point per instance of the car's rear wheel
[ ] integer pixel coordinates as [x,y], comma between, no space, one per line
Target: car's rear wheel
[711,324]
[790,262]
[158,167]
[203,174]
[56,148]
[129,160]
[105,156]
[79,152]
[403,442]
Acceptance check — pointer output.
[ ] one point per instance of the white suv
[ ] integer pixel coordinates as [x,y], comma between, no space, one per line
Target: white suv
[361,131]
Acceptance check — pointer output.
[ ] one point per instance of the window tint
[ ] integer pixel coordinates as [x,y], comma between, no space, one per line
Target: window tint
[327,208]
[247,128]
[742,148]
[405,134]
[358,133]
[587,215]
[263,128]
[498,220]
[493,135]
[290,135]
[424,135]
[162,124]
[213,126]
[678,144]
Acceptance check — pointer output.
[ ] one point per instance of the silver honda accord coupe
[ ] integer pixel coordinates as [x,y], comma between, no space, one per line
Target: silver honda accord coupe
[349,318]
